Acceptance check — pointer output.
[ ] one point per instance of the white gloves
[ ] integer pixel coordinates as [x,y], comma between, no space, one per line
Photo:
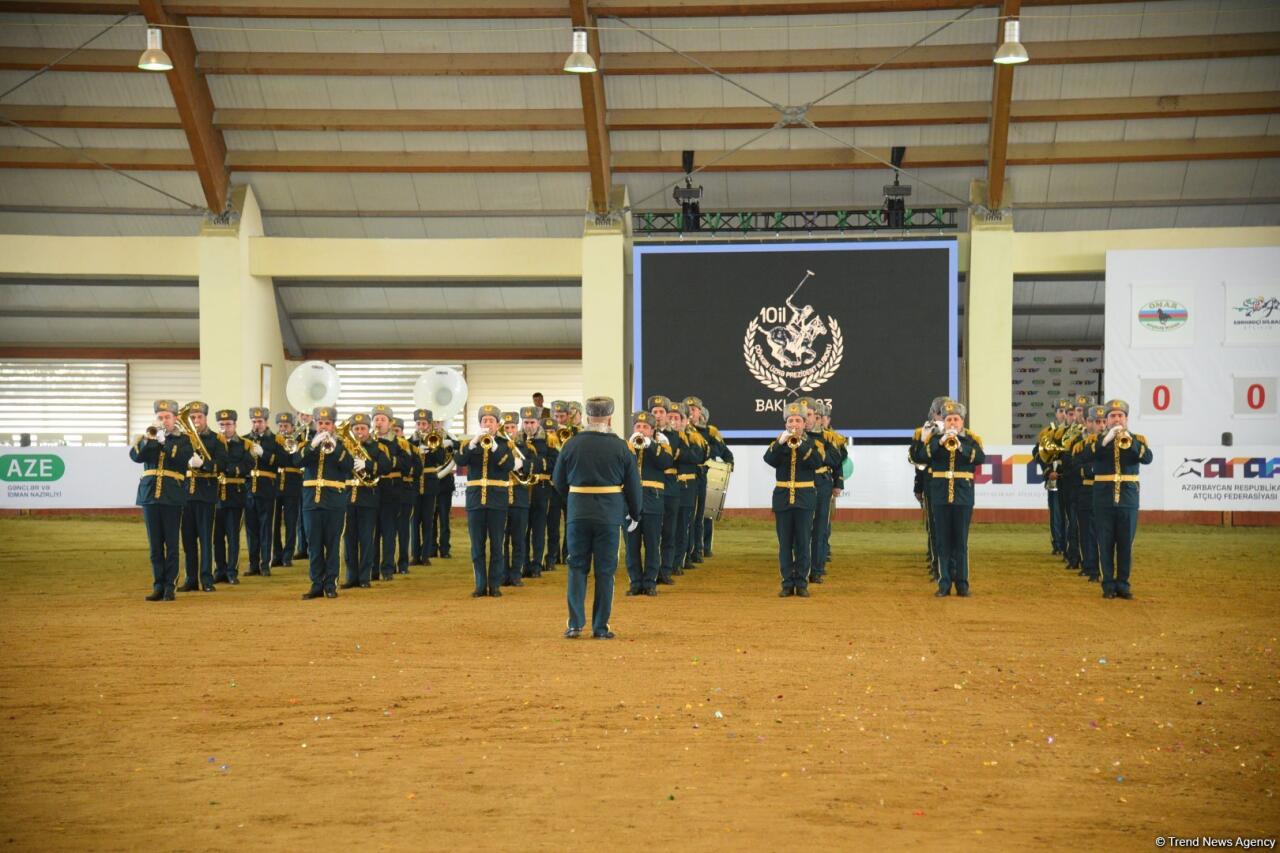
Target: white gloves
[358,464]
[160,436]
[475,440]
[632,524]
[519,464]
[782,439]
[446,442]
[256,449]
[195,461]
[645,442]
[952,433]
[318,438]
[661,438]
[1111,434]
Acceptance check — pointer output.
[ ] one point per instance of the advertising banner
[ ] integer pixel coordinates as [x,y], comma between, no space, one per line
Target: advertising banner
[1181,478]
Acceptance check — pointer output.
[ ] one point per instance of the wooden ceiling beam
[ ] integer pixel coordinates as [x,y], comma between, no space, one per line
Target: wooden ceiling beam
[444,9]
[752,160]
[688,118]
[1082,51]
[1001,100]
[593,113]
[194,103]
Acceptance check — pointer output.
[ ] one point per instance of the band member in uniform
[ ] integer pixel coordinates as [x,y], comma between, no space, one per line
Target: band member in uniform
[440,543]
[427,444]
[794,456]
[689,453]
[489,462]
[519,496]
[288,495]
[206,463]
[327,466]
[410,475]
[824,484]
[1046,453]
[597,477]
[644,544]
[361,507]
[1069,481]
[305,430]
[695,544]
[575,415]
[659,406]
[165,456]
[230,510]
[543,461]
[391,466]
[1082,454]
[1116,461]
[555,507]
[952,457]
[260,502]
[841,445]
[916,451]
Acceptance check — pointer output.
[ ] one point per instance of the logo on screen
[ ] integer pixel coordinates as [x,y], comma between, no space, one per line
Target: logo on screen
[1258,305]
[1163,315]
[792,349]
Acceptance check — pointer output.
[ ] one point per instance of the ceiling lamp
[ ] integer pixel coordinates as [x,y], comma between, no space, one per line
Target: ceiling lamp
[154,58]
[1011,52]
[580,61]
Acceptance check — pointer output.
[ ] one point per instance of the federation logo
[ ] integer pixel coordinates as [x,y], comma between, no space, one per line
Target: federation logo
[792,350]
[1163,315]
[1259,306]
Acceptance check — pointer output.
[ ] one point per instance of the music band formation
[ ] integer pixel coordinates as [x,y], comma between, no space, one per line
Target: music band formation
[1090,463]
[316,484]
[361,492]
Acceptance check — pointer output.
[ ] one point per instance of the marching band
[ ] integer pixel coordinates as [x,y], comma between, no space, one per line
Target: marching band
[318,483]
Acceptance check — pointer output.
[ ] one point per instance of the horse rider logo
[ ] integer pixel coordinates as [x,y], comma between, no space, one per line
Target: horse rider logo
[785,357]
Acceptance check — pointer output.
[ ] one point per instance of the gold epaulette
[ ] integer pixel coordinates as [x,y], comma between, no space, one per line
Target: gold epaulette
[822,450]
[915,436]
[715,433]
[696,437]
[1137,436]
[977,438]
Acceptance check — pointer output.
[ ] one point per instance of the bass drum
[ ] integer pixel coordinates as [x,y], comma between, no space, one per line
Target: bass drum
[717,488]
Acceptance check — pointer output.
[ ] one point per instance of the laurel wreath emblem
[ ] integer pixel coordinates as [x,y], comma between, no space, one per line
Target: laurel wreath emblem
[765,374]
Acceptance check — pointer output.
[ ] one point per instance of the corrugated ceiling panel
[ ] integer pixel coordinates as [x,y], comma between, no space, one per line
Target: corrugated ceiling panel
[74,87]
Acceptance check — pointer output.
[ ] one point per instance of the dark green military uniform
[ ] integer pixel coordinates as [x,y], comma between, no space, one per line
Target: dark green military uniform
[544,462]
[519,496]
[488,478]
[229,512]
[411,473]
[1048,455]
[161,495]
[197,512]
[658,406]
[794,459]
[689,457]
[304,431]
[644,544]
[555,506]
[359,554]
[266,458]
[1115,501]
[427,467]
[393,464]
[951,499]
[284,526]
[1082,465]
[597,478]
[324,504]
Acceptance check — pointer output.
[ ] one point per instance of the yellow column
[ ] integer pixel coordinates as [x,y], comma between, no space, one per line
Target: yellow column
[239,326]
[604,334]
[988,341]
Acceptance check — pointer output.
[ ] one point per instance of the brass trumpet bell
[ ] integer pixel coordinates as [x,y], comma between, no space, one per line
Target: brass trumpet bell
[951,443]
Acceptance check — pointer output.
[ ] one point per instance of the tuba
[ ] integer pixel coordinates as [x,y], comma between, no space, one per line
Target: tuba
[312,384]
[443,390]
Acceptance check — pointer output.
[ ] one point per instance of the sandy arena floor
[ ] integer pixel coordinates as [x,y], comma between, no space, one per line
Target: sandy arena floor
[410,716]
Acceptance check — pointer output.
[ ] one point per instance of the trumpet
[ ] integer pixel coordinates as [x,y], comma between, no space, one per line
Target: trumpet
[154,430]
[951,442]
[1124,440]
[488,442]
[638,441]
[794,440]
[288,444]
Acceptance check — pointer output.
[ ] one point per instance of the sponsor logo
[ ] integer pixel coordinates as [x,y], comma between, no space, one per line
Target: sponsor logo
[792,349]
[1220,467]
[31,468]
[1256,312]
[1163,315]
